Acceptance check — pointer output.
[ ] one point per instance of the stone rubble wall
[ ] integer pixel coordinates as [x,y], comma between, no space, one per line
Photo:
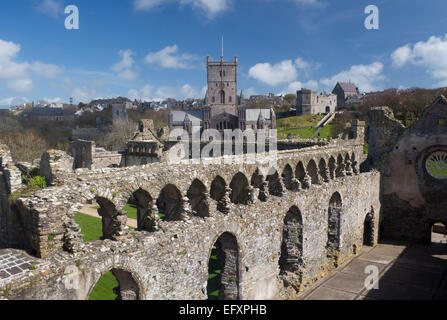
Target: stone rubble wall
[171,261]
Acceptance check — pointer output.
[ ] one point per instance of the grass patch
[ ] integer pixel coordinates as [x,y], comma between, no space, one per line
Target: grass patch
[298,122]
[91,227]
[304,133]
[365,148]
[131,211]
[328,131]
[214,271]
[103,289]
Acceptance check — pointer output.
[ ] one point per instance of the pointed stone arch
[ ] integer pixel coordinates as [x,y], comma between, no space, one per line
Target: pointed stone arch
[333,229]
[226,250]
[169,203]
[312,172]
[114,221]
[339,171]
[300,174]
[288,178]
[274,184]
[146,210]
[332,167]
[292,241]
[221,194]
[199,198]
[323,170]
[240,192]
[128,287]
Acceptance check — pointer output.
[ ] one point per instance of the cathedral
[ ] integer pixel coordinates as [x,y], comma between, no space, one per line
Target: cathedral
[223,108]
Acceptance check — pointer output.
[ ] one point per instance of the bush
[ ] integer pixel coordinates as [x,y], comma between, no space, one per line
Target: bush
[38,181]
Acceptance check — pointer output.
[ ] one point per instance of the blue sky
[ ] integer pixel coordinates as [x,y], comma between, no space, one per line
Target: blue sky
[154,49]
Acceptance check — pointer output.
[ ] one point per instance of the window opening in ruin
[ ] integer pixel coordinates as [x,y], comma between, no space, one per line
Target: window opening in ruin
[223,266]
[116,284]
[292,241]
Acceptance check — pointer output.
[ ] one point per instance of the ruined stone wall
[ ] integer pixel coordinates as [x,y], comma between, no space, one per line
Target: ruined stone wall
[169,259]
[413,199]
[11,231]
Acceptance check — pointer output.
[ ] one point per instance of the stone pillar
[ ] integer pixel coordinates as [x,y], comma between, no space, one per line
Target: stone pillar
[294,185]
[305,182]
[324,173]
[348,168]
[355,167]
[251,195]
[223,205]
[263,194]
[186,210]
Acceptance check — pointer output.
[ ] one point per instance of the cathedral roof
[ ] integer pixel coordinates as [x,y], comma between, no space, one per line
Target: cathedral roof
[254,114]
[195,116]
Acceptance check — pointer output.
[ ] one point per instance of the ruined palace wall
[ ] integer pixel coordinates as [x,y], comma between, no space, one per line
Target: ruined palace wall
[412,199]
[172,263]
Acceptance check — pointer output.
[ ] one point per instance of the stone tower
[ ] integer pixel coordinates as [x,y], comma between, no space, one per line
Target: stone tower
[222,86]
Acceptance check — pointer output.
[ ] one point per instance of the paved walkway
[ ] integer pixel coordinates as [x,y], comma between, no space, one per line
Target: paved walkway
[14,262]
[406,272]
[90,210]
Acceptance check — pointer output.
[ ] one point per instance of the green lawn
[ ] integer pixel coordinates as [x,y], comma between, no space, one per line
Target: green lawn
[91,227]
[304,133]
[328,131]
[298,122]
[214,270]
[131,211]
[103,289]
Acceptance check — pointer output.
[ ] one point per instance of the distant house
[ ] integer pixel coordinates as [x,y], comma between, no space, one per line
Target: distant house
[49,114]
[344,90]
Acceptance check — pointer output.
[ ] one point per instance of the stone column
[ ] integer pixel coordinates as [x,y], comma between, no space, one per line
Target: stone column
[186,211]
[223,205]
[348,167]
[263,194]
[306,182]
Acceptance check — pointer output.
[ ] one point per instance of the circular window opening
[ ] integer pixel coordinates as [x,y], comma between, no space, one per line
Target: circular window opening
[436,165]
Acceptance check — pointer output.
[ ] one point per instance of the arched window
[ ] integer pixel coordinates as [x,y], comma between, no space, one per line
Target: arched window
[231,99]
[223,283]
[222,97]
[213,99]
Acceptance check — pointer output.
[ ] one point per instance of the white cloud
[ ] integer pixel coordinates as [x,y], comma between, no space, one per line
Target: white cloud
[208,7]
[274,75]
[50,7]
[184,92]
[148,93]
[431,54]
[144,93]
[366,77]
[15,75]
[294,86]
[401,56]
[169,58]
[20,85]
[312,3]
[12,73]
[84,94]
[13,101]
[46,70]
[124,68]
